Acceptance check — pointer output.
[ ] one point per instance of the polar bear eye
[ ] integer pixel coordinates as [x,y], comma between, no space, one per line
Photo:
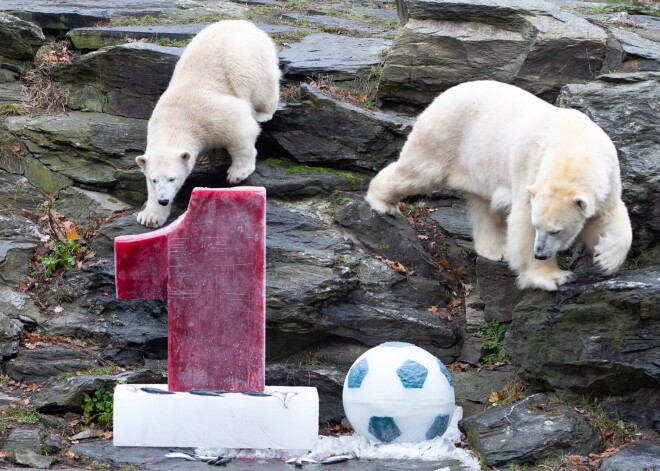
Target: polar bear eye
[170,180]
[554,232]
[154,180]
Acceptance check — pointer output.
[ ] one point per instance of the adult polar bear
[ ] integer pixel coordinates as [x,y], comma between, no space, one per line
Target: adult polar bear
[535,176]
[226,81]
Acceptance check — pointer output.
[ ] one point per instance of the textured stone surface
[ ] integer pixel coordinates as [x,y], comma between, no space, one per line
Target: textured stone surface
[320,129]
[19,41]
[85,207]
[497,288]
[134,76]
[533,45]
[524,433]
[641,455]
[325,54]
[626,106]
[39,365]
[67,394]
[10,336]
[597,337]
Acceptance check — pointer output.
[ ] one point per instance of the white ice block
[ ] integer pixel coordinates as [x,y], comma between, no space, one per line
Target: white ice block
[233,420]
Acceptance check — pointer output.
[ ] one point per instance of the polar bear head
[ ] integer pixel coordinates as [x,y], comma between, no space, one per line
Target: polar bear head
[166,170]
[558,216]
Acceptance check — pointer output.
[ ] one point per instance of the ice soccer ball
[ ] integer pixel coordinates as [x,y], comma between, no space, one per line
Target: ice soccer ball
[397,392]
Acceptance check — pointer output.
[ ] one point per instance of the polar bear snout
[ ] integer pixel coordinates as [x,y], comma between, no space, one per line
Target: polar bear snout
[163,202]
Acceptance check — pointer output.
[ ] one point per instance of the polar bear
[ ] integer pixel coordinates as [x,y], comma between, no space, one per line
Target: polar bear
[536,176]
[226,82]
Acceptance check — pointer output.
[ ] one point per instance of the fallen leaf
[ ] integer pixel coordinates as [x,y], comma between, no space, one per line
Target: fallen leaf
[422,237]
[460,273]
[106,436]
[402,207]
[458,366]
[495,397]
[58,309]
[105,293]
[16,147]
[539,406]
[456,302]
[433,309]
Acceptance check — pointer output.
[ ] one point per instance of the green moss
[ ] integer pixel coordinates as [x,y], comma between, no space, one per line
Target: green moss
[172,42]
[493,345]
[291,36]
[384,247]
[295,168]
[135,21]
[12,109]
[20,415]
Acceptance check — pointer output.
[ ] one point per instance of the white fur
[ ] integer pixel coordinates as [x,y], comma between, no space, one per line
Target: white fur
[536,177]
[226,82]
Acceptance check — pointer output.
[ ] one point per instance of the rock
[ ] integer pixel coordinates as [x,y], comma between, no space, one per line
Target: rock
[103,242]
[283,179]
[320,129]
[99,37]
[595,337]
[472,350]
[19,41]
[7,400]
[533,45]
[496,284]
[32,459]
[41,364]
[11,332]
[323,54]
[638,52]
[525,433]
[53,443]
[626,107]
[328,381]
[474,386]
[342,25]
[641,455]
[17,244]
[18,305]
[67,394]
[390,237]
[130,90]
[85,207]
[453,217]
[87,434]
[22,440]
[92,149]
[641,407]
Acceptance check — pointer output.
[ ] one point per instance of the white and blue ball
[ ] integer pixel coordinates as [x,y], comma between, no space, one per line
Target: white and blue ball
[397,392]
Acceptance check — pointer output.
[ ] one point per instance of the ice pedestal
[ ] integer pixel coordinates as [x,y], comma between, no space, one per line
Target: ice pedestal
[228,421]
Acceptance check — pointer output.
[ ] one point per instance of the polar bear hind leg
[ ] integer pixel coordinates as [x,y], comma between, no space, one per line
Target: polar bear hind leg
[488,228]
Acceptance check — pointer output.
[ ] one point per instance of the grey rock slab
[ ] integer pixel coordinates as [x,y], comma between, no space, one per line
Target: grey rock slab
[626,107]
[496,284]
[641,407]
[153,459]
[22,439]
[595,337]
[343,58]
[642,455]
[103,36]
[85,207]
[474,386]
[453,218]
[638,52]
[17,194]
[280,183]
[335,22]
[523,433]
[319,129]
[41,364]
[19,41]
[129,90]
[88,148]
[32,459]
[7,400]
[11,331]
[67,394]
[534,45]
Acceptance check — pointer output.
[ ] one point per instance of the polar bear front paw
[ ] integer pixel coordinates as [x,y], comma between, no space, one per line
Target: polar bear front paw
[548,280]
[238,173]
[382,207]
[610,254]
[153,216]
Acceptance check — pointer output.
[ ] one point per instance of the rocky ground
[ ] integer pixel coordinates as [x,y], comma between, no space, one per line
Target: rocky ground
[77,85]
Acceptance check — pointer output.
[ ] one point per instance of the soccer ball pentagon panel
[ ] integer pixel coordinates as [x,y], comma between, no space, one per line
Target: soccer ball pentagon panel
[397,392]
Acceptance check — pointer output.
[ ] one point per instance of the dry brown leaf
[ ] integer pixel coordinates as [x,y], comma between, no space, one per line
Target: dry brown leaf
[16,147]
[495,397]
[456,302]
[433,309]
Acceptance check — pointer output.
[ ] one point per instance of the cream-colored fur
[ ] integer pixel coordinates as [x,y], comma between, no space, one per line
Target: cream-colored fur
[226,82]
[536,177]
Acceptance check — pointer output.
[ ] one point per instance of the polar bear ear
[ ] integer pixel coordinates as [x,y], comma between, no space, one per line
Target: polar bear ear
[583,204]
[141,161]
[185,156]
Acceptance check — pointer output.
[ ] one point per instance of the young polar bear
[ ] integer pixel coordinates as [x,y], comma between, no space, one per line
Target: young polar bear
[535,176]
[226,81]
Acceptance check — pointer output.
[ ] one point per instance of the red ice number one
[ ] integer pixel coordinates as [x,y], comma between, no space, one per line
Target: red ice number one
[210,266]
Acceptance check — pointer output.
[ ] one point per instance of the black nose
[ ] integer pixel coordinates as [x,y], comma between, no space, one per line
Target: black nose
[540,257]
[163,202]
